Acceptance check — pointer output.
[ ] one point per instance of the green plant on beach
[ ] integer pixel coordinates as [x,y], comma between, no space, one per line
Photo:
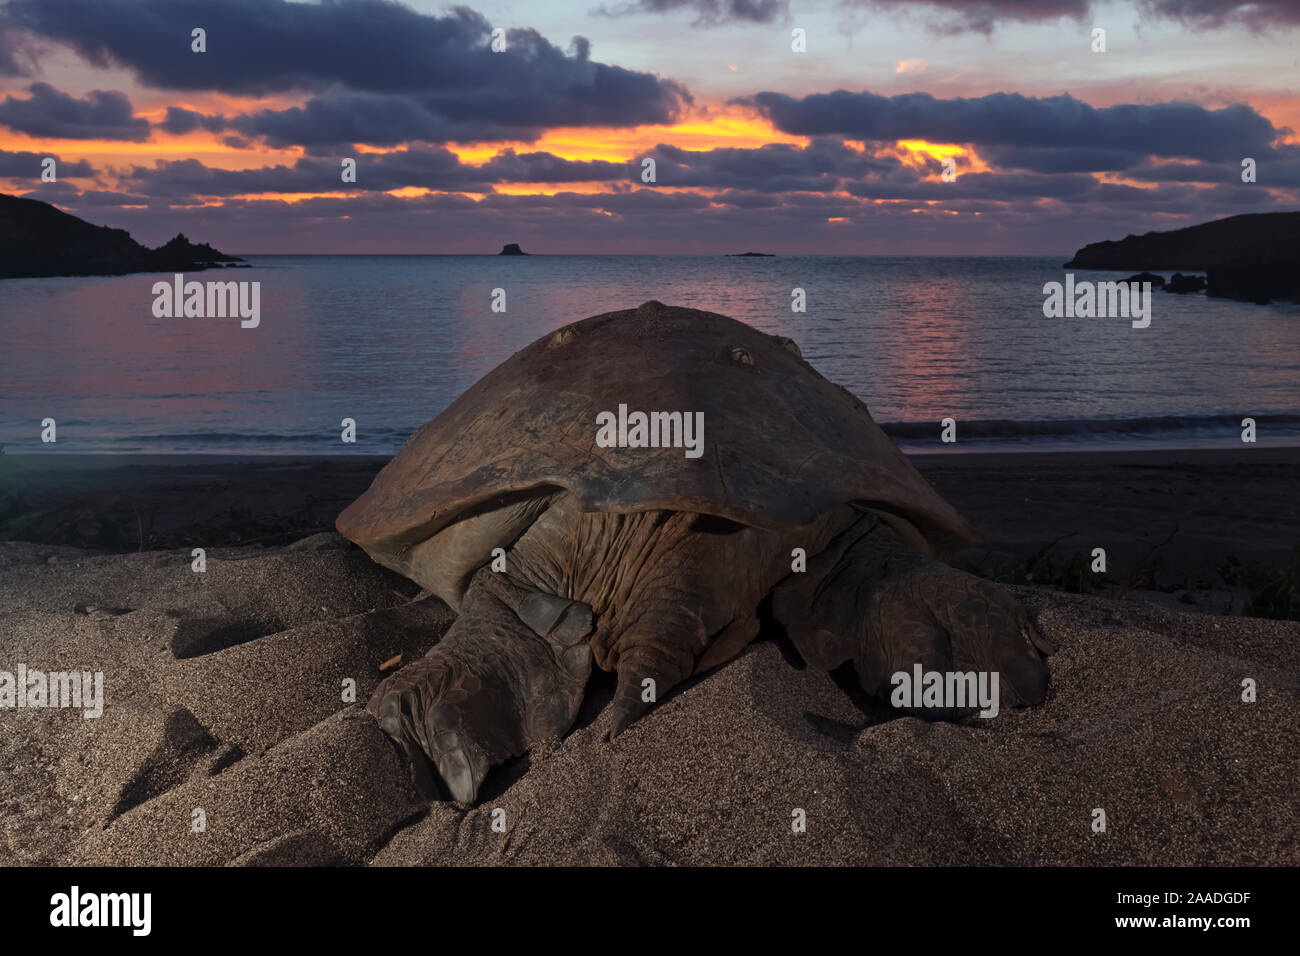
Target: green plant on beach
[1269,592]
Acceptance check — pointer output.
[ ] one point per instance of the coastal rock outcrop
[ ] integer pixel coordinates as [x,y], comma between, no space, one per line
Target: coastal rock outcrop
[1196,248]
[1260,280]
[1183,284]
[1251,258]
[36,239]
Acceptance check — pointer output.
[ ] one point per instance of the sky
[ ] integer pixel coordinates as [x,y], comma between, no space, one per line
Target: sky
[773,125]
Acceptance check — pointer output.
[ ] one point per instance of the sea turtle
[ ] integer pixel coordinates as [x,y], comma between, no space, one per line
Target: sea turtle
[561,546]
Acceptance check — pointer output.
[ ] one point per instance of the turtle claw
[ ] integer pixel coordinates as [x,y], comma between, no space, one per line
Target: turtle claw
[645,669]
[462,773]
[429,709]
[423,775]
[490,689]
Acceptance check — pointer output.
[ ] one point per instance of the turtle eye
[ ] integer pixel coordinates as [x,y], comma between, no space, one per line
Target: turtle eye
[563,337]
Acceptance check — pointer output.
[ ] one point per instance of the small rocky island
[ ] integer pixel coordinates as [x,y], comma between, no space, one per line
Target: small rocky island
[511,249]
[1251,258]
[36,239]
[749,255]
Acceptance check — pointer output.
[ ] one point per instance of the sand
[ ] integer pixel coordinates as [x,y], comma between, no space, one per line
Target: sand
[224,694]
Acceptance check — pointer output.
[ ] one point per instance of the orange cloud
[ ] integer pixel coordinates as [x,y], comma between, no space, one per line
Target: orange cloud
[917,151]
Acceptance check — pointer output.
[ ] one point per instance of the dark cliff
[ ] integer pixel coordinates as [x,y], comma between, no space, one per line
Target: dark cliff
[36,239]
[1254,257]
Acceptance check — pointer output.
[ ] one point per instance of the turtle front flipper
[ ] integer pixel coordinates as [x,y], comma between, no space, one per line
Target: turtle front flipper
[508,674]
[870,599]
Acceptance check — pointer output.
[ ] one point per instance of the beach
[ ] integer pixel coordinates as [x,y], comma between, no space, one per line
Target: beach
[226,737]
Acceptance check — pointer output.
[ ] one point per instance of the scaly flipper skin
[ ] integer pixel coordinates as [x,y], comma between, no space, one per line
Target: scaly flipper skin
[508,674]
[869,599]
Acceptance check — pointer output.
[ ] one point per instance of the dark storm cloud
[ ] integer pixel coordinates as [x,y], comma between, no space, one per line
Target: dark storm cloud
[1183,130]
[20,165]
[49,113]
[439,71]
[707,12]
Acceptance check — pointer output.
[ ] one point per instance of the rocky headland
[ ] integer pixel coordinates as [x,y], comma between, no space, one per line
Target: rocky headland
[36,239]
[1251,258]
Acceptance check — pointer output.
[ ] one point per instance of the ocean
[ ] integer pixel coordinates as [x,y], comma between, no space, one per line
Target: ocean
[390,341]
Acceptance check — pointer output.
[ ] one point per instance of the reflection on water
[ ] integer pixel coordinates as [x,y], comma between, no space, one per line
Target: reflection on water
[391,340]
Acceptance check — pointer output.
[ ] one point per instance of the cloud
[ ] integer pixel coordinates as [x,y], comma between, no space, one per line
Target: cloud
[775,167]
[428,168]
[23,165]
[653,221]
[707,12]
[17,52]
[371,65]
[1282,170]
[434,168]
[1183,130]
[999,187]
[376,119]
[511,167]
[982,16]
[769,175]
[1256,14]
[50,113]
[1061,159]
[180,121]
